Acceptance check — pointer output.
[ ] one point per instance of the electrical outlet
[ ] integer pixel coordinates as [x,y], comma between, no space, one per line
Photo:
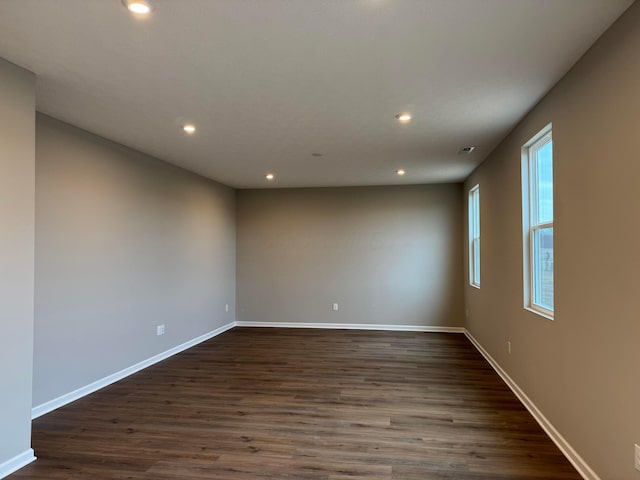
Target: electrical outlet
[637,457]
[509,346]
[160,330]
[226,307]
[335,307]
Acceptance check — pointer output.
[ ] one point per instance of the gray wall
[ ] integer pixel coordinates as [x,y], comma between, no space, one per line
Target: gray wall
[124,242]
[581,368]
[386,255]
[17,164]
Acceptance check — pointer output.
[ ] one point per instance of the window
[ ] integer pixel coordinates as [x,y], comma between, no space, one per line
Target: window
[474,236]
[537,217]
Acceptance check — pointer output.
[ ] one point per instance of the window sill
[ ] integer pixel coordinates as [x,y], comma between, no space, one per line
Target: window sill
[540,313]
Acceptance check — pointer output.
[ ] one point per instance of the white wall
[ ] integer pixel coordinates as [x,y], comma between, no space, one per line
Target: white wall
[386,255]
[124,242]
[581,369]
[17,164]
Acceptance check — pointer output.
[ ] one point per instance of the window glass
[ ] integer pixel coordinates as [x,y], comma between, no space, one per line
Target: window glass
[544,182]
[543,267]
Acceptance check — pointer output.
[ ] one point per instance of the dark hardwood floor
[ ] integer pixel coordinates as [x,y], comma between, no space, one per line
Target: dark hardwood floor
[305,405]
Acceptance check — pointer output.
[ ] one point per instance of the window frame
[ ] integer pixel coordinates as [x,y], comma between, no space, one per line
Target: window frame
[529,215]
[474,241]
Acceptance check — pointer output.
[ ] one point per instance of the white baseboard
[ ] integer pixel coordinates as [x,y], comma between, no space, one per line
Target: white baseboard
[16,463]
[576,460]
[108,380]
[354,326]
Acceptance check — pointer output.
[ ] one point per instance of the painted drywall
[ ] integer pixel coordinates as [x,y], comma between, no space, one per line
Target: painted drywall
[386,255]
[124,242]
[581,368]
[17,182]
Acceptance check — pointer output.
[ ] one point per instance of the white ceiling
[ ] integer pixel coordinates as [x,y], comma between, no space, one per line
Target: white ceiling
[269,82]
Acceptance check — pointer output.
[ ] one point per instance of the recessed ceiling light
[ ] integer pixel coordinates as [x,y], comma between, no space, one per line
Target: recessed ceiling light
[400,172]
[466,150]
[142,7]
[269,176]
[189,128]
[404,117]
